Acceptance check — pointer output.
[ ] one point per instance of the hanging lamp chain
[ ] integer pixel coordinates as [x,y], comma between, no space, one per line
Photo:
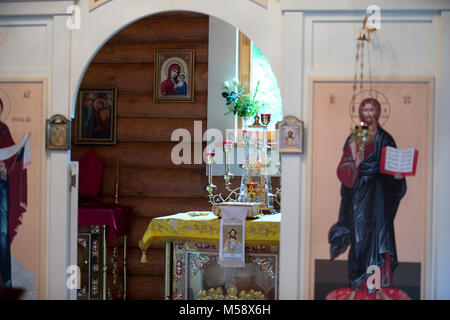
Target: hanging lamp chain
[361,48]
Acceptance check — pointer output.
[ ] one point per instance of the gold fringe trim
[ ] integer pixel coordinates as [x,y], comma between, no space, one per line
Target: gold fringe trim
[144,257]
[165,239]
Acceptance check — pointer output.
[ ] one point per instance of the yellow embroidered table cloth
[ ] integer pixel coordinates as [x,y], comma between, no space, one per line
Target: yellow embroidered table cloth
[204,226]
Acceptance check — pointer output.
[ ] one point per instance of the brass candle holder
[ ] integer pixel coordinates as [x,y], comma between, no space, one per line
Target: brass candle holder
[365,34]
[215,199]
[209,161]
[251,190]
[362,136]
[227,145]
[255,187]
[265,119]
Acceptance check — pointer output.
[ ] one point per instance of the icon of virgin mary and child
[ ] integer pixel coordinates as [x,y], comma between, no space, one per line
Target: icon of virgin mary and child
[175,84]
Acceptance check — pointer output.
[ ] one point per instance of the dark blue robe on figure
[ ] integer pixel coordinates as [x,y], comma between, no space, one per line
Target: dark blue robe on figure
[366,215]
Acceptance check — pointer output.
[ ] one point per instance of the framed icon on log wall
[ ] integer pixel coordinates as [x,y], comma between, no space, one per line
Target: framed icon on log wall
[96,116]
[174,76]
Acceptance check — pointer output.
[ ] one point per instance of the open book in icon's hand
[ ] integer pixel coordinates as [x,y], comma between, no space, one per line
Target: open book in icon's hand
[402,161]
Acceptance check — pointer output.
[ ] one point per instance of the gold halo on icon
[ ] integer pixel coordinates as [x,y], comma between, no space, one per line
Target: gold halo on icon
[6,105]
[166,64]
[365,94]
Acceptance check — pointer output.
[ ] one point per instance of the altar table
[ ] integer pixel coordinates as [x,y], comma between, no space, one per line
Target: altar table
[192,242]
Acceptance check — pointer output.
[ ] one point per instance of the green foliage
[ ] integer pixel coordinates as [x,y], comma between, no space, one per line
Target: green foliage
[240,103]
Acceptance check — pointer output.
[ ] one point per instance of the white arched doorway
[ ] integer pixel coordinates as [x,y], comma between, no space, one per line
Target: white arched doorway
[265,27]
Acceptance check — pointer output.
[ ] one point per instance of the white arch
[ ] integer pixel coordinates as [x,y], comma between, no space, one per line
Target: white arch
[266,28]
[262,25]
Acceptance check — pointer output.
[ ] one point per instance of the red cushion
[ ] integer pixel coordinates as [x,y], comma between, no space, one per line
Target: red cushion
[90,175]
[352,294]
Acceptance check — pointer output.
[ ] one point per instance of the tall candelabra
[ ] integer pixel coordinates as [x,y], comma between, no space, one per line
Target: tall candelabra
[209,161]
[255,185]
[227,146]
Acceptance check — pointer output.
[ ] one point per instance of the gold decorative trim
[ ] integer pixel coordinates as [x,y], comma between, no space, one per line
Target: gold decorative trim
[262,3]
[231,294]
[94,4]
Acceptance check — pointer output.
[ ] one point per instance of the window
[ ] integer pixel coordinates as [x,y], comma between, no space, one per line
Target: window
[254,67]
[268,90]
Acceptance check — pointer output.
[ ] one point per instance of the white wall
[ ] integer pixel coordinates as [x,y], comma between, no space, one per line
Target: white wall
[222,66]
[411,43]
[36,43]
[441,223]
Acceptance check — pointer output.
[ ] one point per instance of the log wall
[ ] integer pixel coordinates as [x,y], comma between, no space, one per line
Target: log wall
[149,181]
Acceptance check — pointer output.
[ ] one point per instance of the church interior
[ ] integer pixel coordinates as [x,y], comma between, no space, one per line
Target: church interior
[224,150]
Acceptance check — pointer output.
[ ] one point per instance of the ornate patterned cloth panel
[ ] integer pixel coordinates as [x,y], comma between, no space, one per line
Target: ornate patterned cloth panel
[90,253]
[96,255]
[197,275]
[84,246]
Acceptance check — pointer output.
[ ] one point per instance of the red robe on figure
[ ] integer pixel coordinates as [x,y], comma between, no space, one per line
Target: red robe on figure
[13,200]
[167,86]
[17,177]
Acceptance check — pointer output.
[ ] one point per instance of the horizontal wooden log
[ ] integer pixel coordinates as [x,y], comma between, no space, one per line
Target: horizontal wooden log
[143,182]
[155,130]
[220,184]
[138,228]
[155,265]
[236,182]
[178,15]
[141,105]
[152,207]
[157,155]
[158,207]
[137,237]
[143,52]
[165,29]
[134,77]
[145,287]
[151,130]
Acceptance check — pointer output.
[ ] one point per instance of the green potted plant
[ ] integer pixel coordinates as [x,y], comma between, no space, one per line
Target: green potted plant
[244,105]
